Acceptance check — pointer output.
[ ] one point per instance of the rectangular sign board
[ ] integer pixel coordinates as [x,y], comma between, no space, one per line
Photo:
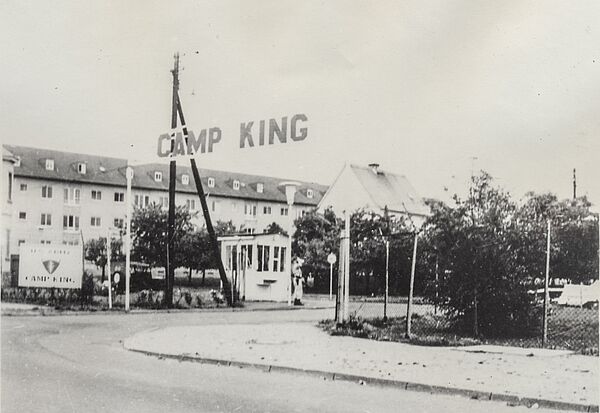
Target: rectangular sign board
[48,266]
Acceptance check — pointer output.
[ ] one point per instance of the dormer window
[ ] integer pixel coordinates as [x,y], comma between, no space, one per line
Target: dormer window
[185,179]
[211,182]
[81,168]
[236,185]
[260,188]
[309,193]
[49,164]
[158,176]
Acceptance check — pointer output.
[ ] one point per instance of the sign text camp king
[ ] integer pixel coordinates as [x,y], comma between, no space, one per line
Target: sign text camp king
[252,134]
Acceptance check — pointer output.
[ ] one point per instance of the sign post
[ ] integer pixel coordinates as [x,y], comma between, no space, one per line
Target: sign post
[411,287]
[331,259]
[129,176]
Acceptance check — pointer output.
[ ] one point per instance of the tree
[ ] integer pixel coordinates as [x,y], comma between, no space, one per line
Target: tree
[149,234]
[316,236]
[196,253]
[275,228]
[95,251]
[479,246]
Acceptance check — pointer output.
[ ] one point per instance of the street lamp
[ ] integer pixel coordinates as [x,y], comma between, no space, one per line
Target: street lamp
[290,192]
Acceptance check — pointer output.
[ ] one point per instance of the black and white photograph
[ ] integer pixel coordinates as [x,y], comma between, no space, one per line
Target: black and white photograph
[300,206]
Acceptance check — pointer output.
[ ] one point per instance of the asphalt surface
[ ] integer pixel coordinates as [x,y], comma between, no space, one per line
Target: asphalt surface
[78,363]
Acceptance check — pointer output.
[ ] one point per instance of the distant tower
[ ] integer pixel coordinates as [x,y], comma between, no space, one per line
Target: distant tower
[574,185]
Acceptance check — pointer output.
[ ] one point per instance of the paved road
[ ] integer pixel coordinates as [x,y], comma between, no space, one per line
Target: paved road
[78,364]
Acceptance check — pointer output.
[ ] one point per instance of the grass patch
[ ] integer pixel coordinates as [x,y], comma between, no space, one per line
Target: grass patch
[569,328]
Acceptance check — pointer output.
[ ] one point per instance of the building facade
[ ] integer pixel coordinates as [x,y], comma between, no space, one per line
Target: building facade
[8,166]
[67,198]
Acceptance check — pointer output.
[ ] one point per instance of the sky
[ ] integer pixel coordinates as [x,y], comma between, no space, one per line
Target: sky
[433,90]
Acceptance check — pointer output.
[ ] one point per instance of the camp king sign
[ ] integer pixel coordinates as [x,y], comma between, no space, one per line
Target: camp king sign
[252,134]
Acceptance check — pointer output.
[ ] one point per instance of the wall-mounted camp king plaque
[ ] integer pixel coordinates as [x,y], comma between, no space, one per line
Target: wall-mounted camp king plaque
[50,266]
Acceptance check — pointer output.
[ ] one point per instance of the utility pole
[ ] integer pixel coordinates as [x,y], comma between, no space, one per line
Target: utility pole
[209,226]
[387,277]
[170,275]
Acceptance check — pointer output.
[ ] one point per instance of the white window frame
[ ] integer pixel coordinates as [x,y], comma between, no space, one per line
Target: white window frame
[96,222]
[158,176]
[118,222]
[49,164]
[185,179]
[73,196]
[191,204]
[47,191]
[45,219]
[310,193]
[24,217]
[96,195]
[211,182]
[236,185]
[72,223]
[119,197]
[81,168]
[260,188]
[23,187]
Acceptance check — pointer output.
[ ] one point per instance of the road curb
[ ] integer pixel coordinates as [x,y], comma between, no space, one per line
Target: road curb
[55,313]
[510,399]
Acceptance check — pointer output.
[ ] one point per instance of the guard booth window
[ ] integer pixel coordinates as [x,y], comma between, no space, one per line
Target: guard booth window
[263,257]
[275,258]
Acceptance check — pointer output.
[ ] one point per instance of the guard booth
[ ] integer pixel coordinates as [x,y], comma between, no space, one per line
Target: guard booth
[257,266]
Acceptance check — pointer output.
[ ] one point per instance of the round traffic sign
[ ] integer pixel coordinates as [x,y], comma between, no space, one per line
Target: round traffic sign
[331,258]
[117,277]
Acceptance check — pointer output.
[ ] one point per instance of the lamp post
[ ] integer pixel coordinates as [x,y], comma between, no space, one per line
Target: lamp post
[290,193]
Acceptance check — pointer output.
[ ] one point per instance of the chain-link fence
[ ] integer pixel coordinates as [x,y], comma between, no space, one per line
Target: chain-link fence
[570,327]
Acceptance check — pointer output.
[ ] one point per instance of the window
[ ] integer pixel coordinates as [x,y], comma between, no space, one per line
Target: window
[191,204]
[70,222]
[118,223]
[81,168]
[185,179]
[142,201]
[95,222]
[22,216]
[309,193]
[250,210]
[97,195]
[282,261]
[275,258]
[236,185]
[214,206]
[49,164]
[21,242]
[260,188]
[211,182]
[46,220]
[119,197]
[45,242]
[72,196]
[23,186]
[164,201]
[263,257]
[10,184]
[46,191]
[284,211]
[158,176]
[267,210]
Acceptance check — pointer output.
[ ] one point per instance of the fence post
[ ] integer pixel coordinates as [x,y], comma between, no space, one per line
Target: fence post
[546,293]
[387,278]
[411,286]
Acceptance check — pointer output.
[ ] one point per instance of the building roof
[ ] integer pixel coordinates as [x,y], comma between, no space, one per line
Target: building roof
[8,156]
[390,190]
[111,171]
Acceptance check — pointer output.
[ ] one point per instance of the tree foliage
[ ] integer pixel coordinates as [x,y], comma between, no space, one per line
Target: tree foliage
[149,234]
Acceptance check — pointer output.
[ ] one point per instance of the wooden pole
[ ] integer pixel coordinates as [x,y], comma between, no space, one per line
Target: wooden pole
[129,176]
[205,211]
[170,275]
[347,267]
[546,293]
[411,286]
[109,278]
